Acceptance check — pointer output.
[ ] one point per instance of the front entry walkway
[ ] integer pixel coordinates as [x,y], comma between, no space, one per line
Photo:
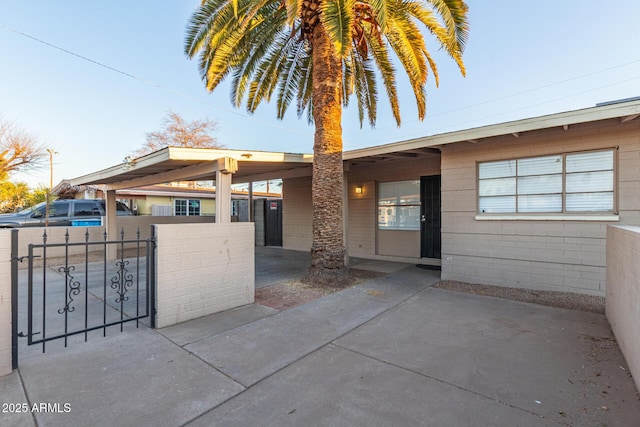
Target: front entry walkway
[275,265]
[393,351]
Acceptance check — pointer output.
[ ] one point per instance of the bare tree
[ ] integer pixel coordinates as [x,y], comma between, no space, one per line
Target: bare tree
[19,150]
[177,132]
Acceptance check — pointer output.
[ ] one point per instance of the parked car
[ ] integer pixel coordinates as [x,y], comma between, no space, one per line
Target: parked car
[61,213]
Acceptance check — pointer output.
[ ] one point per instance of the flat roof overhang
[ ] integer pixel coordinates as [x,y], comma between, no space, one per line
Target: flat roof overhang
[191,164]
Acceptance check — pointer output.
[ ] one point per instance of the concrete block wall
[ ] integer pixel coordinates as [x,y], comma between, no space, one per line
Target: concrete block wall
[558,255]
[203,269]
[130,225]
[297,214]
[259,220]
[5,302]
[361,232]
[623,292]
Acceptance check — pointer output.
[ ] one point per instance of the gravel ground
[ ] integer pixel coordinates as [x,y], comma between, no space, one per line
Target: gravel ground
[568,300]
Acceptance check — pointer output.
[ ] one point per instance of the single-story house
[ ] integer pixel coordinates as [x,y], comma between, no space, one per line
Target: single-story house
[523,203]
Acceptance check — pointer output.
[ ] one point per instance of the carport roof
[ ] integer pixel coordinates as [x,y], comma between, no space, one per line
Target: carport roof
[176,163]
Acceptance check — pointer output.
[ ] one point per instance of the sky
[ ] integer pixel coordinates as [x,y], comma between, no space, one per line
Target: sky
[90,79]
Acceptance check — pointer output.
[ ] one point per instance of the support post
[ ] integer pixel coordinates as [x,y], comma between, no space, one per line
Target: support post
[226,167]
[110,223]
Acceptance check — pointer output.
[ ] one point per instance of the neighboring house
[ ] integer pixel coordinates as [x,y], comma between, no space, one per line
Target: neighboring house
[524,203]
[188,199]
[175,199]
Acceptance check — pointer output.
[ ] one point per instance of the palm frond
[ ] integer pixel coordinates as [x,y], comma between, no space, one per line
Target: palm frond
[291,76]
[255,42]
[379,9]
[380,54]
[305,92]
[269,69]
[259,38]
[453,35]
[337,18]
[366,90]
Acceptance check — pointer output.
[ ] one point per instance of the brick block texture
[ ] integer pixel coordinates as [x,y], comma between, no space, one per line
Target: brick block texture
[203,269]
[623,292]
[5,302]
[546,255]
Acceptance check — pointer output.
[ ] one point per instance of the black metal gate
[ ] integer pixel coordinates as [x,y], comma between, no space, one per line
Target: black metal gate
[73,288]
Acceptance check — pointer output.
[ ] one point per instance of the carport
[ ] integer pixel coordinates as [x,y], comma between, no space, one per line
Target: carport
[224,167]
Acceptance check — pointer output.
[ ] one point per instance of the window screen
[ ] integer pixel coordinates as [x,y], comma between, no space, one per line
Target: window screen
[576,182]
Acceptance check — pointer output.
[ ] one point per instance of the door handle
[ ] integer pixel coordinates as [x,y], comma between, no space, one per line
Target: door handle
[422,218]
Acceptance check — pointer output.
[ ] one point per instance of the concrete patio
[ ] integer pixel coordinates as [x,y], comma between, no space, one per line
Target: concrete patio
[393,351]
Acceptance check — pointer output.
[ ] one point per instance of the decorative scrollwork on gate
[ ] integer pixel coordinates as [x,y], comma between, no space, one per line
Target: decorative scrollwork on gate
[122,281]
[72,287]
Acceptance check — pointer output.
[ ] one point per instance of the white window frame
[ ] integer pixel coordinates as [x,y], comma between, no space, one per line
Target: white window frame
[563,213]
[187,212]
[399,224]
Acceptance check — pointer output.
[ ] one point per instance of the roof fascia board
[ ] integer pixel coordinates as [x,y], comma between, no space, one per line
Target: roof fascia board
[142,162]
[198,154]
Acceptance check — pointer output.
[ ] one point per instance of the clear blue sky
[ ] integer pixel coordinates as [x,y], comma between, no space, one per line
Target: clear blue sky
[524,59]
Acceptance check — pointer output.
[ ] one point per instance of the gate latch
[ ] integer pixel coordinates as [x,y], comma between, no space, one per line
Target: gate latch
[21,258]
[22,334]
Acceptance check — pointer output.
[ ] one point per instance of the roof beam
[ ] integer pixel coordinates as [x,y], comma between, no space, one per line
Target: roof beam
[281,174]
[187,173]
[629,118]
[426,150]
[401,154]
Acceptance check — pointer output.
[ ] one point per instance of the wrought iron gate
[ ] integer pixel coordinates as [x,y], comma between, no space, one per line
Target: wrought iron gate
[88,286]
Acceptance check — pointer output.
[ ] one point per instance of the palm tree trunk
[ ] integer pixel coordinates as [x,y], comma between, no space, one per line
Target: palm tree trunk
[328,250]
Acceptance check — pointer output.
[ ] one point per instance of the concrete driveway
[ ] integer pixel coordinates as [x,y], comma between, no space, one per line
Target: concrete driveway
[392,351]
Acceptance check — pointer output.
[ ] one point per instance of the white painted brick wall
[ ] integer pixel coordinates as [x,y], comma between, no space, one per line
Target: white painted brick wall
[5,302]
[623,292]
[203,269]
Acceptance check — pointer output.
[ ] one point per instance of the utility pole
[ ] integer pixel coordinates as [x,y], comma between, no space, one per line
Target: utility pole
[51,153]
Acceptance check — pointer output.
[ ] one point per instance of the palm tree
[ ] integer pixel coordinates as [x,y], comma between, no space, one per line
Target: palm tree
[319,53]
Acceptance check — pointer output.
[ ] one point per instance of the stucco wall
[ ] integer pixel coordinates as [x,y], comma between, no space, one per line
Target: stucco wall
[213,272]
[5,302]
[623,292]
[555,255]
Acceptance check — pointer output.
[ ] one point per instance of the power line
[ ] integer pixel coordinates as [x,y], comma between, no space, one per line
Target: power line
[455,110]
[149,82]
[462,124]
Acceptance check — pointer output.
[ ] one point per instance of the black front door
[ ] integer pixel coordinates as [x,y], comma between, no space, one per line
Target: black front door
[430,216]
[273,223]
